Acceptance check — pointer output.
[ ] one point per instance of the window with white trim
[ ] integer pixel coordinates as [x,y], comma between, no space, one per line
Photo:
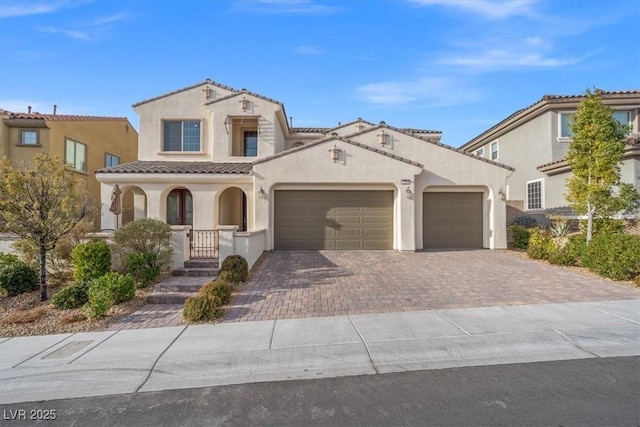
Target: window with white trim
[28,137]
[534,194]
[565,131]
[181,135]
[623,117]
[76,155]
[111,160]
[480,152]
[494,150]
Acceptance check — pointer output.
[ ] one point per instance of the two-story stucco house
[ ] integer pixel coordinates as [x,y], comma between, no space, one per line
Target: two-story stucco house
[535,141]
[215,158]
[87,143]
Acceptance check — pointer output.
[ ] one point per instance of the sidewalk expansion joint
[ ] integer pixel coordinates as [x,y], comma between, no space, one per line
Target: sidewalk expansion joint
[153,367]
[40,352]
[366,346]
[451,321]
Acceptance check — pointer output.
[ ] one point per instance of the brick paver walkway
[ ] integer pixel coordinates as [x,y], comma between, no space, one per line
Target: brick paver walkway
[295,284]
[151,316]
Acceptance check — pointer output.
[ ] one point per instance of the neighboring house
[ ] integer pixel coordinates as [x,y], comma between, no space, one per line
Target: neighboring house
[535,141]
[214,158]
[88,143]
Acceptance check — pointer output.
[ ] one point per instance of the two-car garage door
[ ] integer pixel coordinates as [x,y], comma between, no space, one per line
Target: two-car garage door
[319,219]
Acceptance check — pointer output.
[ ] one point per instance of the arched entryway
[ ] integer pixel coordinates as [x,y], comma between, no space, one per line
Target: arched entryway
[233,208]
[180,207]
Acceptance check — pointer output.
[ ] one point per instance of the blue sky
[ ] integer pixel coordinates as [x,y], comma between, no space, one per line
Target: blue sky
[456,66]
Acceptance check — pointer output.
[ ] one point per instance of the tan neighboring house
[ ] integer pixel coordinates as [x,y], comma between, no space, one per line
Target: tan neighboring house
[535,141]
[88,143]
[215,158]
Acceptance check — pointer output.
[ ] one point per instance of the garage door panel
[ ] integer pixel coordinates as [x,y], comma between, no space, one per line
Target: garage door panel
[333,219]
[452,220]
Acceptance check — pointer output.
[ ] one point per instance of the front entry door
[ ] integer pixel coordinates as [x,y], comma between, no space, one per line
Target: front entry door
[180,207]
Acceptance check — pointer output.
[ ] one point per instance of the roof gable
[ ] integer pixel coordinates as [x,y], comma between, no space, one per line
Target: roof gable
[206,82]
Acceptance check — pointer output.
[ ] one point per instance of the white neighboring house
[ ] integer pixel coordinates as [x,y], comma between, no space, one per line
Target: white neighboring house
[215,158]
[535,141]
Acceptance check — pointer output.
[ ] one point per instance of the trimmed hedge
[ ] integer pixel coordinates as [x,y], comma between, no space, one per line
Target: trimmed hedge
[616,256]
[16,277]
[110,289]
[234,269]
[219,288]
[202,307]
[91,260]
[541,246]
[142,267]
[519,236]
[72,296]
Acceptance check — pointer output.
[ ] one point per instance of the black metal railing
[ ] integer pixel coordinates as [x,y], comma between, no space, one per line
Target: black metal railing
[204,244]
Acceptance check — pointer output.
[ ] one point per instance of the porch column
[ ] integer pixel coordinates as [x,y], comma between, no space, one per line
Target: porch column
[156,207]
[139,206]
[407,219]
[203,209]
[107,218]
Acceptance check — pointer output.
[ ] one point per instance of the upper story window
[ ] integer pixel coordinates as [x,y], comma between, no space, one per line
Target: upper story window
[29,137]
[181,135]
[111,160]
[250,143]
[623,117]
[76,155]
[534,194]
[480,152]
[494,150]
[565,131]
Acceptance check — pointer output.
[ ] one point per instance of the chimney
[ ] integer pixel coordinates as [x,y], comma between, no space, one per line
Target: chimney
[55,108]
[29,108]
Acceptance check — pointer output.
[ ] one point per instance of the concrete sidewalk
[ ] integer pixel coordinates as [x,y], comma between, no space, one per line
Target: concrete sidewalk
[126,361]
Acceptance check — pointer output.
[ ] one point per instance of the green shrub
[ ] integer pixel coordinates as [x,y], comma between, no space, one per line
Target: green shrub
[605,226]
[525,220]
[540,244]
[8,259]
[571,253]
[616,256]
[17,277]
[202,307]
[91,260]
[72,296]
[218,288]
[145,236]
[122,288]
[142,268]
[637,281]
[100,300]
[519,236]
[234,269]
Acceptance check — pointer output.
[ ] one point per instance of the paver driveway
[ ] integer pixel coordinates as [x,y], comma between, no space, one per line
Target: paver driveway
[294,284]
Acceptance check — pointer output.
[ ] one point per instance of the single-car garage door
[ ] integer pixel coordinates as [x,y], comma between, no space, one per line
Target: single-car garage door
[452,220]
[333,219]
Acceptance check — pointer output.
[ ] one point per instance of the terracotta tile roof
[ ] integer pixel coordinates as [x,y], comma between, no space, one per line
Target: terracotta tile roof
[206,82]
[153,166]
[63,117]
[245,92]
[551,100]
[333,138]
[310,130]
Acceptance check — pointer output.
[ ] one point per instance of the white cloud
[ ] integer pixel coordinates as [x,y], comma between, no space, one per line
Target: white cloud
[309,50]
[493,9]
[531,52]
[14,8]
[88,31]
[423,92]
[286,6]
[72,34]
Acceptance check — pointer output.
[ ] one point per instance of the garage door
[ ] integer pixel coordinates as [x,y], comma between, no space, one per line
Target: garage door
[452,220]
[333,219]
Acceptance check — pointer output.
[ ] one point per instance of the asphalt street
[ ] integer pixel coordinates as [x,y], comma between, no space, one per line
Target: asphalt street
[586,392]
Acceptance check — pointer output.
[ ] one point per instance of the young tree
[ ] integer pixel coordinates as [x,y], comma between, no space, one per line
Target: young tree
[595,152]
[41,203]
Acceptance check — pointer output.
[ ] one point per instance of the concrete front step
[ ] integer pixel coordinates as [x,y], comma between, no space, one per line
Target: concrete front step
[169,297]
[184,288]
[202,263]
[195,272]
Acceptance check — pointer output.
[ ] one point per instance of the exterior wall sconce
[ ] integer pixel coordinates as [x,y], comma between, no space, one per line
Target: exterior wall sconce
[384,138]
[409,193]
[335,153]
[502,195]
[261,193]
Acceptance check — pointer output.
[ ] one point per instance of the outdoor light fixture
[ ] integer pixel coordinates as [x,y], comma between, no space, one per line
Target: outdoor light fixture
[245,104]
[384,138]
[408,193]
[261,193]
[335,153]
[501,194]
